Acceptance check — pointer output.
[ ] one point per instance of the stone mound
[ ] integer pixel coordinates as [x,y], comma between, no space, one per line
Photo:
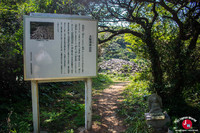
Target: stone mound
[118,66]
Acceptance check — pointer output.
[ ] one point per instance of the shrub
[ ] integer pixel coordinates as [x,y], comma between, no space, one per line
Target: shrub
[134,105]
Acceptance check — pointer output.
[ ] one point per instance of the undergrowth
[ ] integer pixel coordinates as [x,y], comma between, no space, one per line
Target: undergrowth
[119,76]
[61,107]
[134,106]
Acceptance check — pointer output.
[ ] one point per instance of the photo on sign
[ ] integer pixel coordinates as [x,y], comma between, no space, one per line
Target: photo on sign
[42,30]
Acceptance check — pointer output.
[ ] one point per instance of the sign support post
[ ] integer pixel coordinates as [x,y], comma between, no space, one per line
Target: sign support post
[67,52]
[35,106]
[88,104]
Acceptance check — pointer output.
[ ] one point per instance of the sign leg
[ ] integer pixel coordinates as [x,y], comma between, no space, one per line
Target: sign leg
[35,106]
[88,104]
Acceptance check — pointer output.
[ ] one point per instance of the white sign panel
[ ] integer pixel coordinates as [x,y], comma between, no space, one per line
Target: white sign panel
[59,47]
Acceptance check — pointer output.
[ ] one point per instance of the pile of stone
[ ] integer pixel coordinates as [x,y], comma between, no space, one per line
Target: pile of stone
[43,32]
[118,66]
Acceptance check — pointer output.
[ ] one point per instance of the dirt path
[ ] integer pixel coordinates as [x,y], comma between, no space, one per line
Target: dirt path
[104,108]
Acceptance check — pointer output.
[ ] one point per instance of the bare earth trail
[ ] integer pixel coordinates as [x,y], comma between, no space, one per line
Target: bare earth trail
[104,106]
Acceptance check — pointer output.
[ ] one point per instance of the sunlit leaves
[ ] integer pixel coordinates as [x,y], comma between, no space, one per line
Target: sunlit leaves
[134,106]
[24,8]
[136,45]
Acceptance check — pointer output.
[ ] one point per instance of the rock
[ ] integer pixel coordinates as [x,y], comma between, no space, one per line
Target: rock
[156,118]
[81,130]
[118,66]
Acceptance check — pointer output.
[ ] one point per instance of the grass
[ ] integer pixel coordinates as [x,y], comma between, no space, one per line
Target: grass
[119,77]
[61,107]
[134,106]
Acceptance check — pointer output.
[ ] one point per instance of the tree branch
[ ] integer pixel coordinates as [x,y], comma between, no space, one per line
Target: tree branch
[175,18]
[155,14]
[139,20]
[123,31]
[193,43]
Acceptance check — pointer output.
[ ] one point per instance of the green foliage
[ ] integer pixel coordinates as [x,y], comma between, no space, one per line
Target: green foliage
[177,56]
[136,45]
[193,95]
[62,107]
[15,96]
[142,63]
[64,115]
[117,48]
[127,68]
[179,65]
[102,79]
[168,38]
[16,123]
[120,76]
[180,70]
[13,88]
[134,106]
[165,34]
[101,82]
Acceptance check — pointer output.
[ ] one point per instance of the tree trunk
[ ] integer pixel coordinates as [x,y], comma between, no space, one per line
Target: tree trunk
[155,63]
[179,72]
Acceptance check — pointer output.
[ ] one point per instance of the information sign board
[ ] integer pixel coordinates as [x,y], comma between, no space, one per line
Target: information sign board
[59,47]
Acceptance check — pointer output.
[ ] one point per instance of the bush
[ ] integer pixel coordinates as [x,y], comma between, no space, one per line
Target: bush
[134,105]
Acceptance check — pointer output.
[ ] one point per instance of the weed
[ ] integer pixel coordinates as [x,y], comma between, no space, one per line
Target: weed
[61,107]
[134,106]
